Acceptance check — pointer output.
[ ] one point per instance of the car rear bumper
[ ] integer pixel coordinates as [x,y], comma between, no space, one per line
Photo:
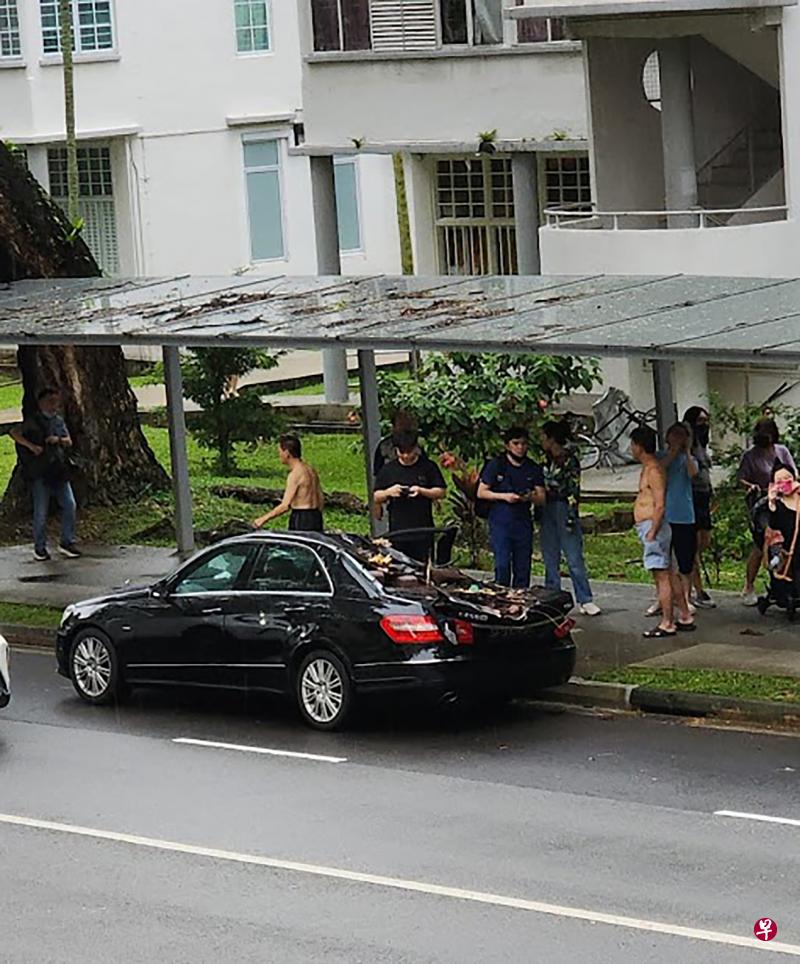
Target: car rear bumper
[468,676]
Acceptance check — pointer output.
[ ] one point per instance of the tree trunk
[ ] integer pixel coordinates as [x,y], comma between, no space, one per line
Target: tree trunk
[36,241]
[73,181]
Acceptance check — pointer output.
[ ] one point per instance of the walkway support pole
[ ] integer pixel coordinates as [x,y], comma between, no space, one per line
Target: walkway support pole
[666,413]
[326,233]
[370,428]
[173,380]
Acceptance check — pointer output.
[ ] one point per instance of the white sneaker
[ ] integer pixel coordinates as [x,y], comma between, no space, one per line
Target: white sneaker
[590,609]
[749,598]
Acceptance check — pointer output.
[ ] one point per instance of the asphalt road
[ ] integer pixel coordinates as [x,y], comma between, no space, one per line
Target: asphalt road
[527,836]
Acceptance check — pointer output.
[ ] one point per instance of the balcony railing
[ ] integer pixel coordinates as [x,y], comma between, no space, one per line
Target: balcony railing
[585,218]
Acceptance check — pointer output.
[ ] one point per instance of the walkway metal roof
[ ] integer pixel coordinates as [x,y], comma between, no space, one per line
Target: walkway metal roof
[722,319]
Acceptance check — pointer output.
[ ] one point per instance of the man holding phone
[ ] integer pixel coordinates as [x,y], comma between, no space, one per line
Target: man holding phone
[511,484]
[410,484]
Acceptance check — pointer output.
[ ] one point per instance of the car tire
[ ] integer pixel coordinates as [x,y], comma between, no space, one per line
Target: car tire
[324,691]
[94,668]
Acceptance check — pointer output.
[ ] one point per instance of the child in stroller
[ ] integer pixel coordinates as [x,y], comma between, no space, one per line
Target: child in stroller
[781,512]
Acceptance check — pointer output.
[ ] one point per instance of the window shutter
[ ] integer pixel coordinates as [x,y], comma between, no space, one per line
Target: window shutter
[403,24]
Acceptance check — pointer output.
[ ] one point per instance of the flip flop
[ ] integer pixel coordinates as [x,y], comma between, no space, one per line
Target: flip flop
[685,627]
[659,633]
[654,610]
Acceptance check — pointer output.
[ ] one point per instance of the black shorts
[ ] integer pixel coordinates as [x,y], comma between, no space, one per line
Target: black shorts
[684,546]
[702,511]
[305,520]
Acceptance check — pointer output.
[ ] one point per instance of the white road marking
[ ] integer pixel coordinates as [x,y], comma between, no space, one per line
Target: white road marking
[413,886]
[267,751]
[763,817]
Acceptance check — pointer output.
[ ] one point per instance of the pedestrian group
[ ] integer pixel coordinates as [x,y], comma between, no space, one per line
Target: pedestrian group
[672,511]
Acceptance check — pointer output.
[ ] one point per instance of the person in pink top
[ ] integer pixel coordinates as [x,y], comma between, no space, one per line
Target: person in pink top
[755,474]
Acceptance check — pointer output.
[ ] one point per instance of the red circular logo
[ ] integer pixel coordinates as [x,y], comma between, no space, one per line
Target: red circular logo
[765,929]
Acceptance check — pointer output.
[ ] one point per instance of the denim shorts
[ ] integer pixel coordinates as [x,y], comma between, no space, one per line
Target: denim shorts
[657,554]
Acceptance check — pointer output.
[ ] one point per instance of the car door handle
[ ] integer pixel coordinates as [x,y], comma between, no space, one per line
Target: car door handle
[212,610]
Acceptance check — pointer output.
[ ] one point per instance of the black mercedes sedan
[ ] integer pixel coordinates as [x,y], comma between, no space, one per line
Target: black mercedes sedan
[324,619]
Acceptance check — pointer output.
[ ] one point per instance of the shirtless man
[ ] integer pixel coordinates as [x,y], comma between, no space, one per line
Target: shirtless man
[653,530]
[303,494]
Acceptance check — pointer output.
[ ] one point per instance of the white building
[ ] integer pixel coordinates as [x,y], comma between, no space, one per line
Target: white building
[187,114]
[694,117]
[425,78]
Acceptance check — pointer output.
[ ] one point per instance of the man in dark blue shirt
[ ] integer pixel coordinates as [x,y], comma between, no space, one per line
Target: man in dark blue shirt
[511,483]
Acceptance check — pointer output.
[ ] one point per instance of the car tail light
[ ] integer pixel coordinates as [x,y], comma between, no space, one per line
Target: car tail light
[412,629]
[564,629]
[465,632]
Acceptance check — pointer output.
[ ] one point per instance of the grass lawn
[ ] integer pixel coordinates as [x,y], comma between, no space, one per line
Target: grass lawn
[783,689]
[21,614]
[10,395]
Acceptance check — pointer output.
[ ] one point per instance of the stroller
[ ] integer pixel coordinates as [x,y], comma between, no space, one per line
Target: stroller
[782,559]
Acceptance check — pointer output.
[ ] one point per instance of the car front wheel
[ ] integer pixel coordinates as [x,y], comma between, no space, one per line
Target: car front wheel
[94,667]
[324,691]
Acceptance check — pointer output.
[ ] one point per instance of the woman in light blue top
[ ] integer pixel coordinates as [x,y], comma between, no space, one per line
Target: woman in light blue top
[681,468]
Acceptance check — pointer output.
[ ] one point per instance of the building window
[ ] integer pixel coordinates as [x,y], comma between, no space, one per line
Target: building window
[537,30]
[262,169]
[475,216]
[651,80]
[566,181]
[252,26]
[92,23]
[345,174]
[477,22]
[10,44]
[342,24]
[95,199]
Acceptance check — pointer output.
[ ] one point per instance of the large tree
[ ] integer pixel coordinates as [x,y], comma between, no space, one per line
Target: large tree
[37,240]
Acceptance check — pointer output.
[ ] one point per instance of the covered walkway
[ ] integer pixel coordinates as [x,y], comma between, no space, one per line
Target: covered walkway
[663,318]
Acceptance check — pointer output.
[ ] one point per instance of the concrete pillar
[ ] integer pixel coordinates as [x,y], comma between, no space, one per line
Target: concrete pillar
[419,173]
[370,427]
[525,179]
[326,234]
[691,384]
[666,414]
[173,381]
[677,129]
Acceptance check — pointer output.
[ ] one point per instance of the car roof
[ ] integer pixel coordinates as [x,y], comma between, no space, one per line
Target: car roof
[333,541]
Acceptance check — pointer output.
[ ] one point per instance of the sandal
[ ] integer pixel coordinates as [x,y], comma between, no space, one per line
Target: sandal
[659,633]
[653,610]
[685,627]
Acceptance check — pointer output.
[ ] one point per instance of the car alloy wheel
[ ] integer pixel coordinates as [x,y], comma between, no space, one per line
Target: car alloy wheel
[323,690]
[93,668]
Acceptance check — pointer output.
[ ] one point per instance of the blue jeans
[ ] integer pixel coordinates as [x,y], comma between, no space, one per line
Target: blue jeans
[42,493]
[512,545]
[558,538]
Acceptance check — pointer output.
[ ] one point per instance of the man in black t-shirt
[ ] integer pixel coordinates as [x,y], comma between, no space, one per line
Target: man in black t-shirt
[410,484]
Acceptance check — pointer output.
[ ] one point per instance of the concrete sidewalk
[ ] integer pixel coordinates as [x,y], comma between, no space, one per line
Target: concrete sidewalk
[731,637]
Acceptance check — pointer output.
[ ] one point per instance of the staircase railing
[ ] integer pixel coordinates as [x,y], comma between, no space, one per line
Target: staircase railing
[742,138]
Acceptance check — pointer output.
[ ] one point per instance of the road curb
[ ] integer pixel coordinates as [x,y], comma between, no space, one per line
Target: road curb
[701,704]
[627,696]
[590,692]
[33,637]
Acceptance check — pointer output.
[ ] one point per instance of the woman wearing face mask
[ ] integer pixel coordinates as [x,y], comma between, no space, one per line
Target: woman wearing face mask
[781,539]
[755,474]
[697,419]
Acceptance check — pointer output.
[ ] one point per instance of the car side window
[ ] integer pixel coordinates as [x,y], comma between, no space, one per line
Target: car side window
[218,572]
[287,568]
